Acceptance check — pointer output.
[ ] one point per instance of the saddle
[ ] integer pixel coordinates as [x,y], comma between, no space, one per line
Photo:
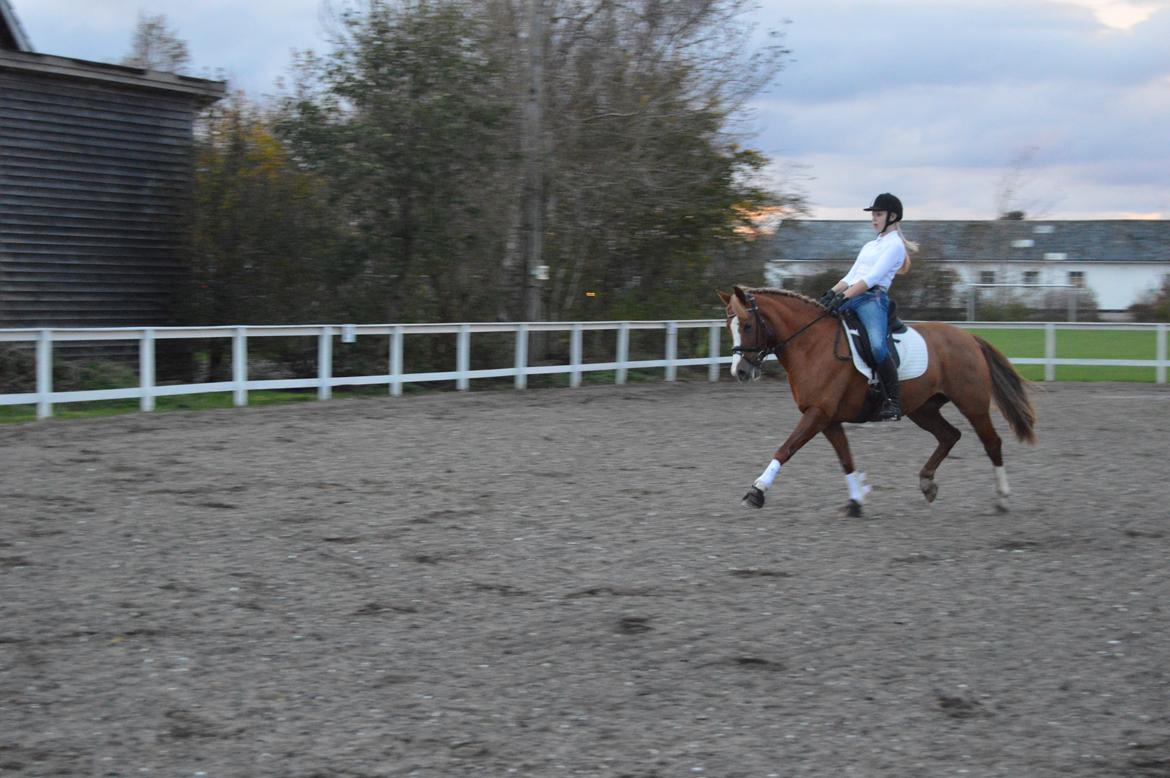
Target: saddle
[894,326]
[905,344]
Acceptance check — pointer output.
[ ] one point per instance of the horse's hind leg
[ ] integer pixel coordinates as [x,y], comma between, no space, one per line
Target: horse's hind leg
[993,445]
[930,419]
[835,434]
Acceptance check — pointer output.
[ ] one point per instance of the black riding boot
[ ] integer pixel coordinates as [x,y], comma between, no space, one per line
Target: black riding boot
[888,373]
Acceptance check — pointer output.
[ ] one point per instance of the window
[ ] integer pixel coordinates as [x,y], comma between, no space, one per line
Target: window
[987,276]
[1031,276]
[1076,277]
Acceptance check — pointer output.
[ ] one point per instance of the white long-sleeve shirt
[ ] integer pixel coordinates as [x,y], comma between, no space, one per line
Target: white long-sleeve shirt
[878,261]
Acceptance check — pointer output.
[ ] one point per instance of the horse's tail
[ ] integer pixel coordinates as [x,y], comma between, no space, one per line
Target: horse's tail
[1011,393]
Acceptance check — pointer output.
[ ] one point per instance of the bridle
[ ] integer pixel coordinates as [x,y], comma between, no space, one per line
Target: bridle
[759,353]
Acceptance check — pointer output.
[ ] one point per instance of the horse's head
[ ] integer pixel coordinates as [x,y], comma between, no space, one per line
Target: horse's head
[750,334]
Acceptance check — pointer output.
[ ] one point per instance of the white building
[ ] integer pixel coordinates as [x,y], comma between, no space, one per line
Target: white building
[1119,261]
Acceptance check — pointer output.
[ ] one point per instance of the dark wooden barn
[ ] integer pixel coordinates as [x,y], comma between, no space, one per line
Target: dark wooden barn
[95,187]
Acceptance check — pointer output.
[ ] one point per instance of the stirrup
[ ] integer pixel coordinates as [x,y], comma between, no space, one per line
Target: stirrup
[891,410]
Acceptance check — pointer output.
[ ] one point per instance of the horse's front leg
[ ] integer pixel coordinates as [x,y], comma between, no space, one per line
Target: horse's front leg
[835,434]
[811,422]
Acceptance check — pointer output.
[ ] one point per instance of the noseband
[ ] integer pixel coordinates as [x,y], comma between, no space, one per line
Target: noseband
[759,353]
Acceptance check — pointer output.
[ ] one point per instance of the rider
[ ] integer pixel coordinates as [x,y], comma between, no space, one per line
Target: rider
[865,287]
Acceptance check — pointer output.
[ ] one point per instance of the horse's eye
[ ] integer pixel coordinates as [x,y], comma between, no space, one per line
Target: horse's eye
[747,328]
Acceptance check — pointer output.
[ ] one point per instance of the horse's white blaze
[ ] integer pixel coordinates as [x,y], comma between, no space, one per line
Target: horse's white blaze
[735,343]
[1001,482]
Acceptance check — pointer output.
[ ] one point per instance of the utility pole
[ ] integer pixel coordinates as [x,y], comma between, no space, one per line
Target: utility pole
[533,163]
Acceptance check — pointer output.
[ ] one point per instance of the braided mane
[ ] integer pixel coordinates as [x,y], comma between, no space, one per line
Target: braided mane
[775,292]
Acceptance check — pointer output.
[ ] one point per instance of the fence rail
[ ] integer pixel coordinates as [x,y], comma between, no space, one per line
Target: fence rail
[240,385]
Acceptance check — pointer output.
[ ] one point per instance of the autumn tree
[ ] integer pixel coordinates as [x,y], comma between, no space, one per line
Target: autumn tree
[155,46]
[1154,305]
[645,182]
[263,235]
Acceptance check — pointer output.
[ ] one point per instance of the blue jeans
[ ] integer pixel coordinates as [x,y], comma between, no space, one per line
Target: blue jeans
[872,308]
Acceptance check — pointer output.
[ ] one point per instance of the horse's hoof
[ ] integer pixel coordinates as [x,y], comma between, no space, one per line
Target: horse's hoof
[929,488]
[1001,506]
[853,510]
[753,499]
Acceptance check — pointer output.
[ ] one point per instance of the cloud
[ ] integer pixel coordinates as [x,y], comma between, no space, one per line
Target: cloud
[919,96]
[936,99]
[841,52]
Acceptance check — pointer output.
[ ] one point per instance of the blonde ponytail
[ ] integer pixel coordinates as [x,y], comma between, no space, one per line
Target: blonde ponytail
[910,245]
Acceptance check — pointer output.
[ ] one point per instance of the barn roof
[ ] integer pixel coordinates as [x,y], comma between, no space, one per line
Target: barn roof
[1122,240]
[199,89]
[17,55]
[12,35]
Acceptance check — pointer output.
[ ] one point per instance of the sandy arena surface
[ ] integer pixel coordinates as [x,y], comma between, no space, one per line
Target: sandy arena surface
[563,583]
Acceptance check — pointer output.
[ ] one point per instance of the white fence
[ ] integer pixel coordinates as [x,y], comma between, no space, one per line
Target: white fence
[240,385]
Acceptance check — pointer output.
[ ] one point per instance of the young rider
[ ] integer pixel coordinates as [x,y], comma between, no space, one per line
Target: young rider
[865,288]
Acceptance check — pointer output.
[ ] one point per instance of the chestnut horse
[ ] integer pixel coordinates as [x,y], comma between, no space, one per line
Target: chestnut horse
[962,368]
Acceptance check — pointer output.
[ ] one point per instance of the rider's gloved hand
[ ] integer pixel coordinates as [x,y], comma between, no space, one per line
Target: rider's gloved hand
[827,297]
[838,300]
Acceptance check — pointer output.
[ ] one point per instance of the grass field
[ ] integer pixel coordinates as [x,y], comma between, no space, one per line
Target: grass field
[1070,344]
[1078,344]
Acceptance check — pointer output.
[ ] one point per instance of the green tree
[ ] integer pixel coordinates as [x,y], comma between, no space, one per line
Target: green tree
[408,121]
[427,119]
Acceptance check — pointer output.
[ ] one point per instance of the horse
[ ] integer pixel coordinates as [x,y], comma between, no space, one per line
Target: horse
[962,368]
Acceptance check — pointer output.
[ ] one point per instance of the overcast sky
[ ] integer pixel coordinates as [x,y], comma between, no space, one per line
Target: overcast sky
[938,101]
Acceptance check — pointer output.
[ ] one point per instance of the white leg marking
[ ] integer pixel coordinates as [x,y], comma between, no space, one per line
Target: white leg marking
[1001,482]
[858,488]
[735,342]
[764,482]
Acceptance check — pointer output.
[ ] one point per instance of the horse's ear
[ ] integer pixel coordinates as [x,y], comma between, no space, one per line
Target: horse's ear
[739,294]
[724,296]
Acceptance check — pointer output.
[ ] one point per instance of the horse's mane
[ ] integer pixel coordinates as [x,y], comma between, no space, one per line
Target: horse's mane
[775,292]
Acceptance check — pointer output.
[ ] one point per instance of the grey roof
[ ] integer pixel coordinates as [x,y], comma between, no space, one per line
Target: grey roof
[1123,240]
[12,35]
[17,55]
[201,90]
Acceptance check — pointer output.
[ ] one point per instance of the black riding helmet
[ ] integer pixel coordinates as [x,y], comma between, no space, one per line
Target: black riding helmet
[891,205]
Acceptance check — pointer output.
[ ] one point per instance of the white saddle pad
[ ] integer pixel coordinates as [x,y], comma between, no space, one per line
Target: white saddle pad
[912,354]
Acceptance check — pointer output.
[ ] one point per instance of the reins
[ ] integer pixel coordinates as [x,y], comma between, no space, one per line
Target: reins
[762,352]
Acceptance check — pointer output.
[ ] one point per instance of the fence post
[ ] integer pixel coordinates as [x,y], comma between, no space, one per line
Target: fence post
[240,366]
[463,358]
[521,355]
[623,352]
[1050,351]
[671,350]
[1160,370]
[395,357]
[146,369]
[714,340]
[44,374]
[575,356]
[325,363]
